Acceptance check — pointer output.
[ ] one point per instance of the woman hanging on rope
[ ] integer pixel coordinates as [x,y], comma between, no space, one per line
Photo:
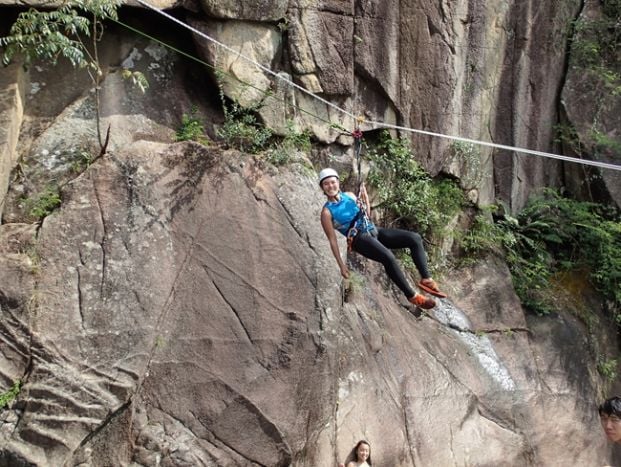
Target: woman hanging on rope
[350,216]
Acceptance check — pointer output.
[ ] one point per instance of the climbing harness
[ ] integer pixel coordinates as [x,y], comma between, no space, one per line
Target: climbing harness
[353,231]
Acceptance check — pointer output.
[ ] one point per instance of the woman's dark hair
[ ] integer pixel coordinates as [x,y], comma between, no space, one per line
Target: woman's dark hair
[610,406]
[353,455]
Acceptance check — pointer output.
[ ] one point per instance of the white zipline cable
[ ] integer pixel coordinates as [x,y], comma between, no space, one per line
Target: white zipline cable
[248,59]
[604,165]
[532,152]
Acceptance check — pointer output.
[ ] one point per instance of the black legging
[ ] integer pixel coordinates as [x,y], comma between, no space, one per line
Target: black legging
[378,249]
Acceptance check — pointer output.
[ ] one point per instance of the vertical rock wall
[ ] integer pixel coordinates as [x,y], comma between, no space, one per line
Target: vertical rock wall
[490,71]
[481,70]
[593,108]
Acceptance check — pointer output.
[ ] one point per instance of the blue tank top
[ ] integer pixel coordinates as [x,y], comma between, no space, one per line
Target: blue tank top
[343,212]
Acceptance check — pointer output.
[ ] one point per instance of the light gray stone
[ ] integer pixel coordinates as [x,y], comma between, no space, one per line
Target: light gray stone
[241,80]
[322,43]
[190,287]
[11,115]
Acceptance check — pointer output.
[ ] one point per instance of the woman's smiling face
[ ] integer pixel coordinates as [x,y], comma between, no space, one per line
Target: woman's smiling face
[363,451]
[330,186]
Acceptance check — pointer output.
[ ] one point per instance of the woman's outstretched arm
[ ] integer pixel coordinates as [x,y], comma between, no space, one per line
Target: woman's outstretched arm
[326,223]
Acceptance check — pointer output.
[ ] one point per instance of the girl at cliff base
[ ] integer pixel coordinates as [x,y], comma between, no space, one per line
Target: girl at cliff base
[360,456]
[343,212]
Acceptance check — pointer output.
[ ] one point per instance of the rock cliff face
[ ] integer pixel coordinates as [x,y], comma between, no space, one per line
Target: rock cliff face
[181,306]
[185,310]
[594,110]
[472,69]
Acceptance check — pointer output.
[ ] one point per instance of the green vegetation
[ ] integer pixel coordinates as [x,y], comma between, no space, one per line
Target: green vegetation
[35,258]
[292,142]
[484,236]
[241,130]
[549,237]
[355,283]
[408,191]
[136,78]
[160,341]
[50,35]
[568,136]
[604,144]
[10,395]
[82,160]
[594,50]
[192,128]
[44,203]
[353,286]
[595,45]
[607,367]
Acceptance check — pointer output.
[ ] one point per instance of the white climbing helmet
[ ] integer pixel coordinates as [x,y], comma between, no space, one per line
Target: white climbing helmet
[326,173]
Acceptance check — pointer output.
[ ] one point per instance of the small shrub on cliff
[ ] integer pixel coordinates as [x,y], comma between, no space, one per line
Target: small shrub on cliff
[405,189]
[293,141]
[604,145]
[595,46]
[354,285]
[553,234]
[58,33]
[191,129]
[580,234]
[482,237]
[44,203]
[7,397]
[529,260]
[607,367]
[50,35]
[241,130]
[82,160]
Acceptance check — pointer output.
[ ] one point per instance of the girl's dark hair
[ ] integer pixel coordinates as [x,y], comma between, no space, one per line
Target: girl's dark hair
[353,455]
[610,406]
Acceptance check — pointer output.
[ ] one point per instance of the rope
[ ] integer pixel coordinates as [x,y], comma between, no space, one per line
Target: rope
[362,204]
[604,165]
[533,152]
[248,59]
[335,127]
[357,134]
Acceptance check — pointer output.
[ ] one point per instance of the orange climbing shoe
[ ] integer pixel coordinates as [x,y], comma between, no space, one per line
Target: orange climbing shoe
[430,286]
[423,302]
